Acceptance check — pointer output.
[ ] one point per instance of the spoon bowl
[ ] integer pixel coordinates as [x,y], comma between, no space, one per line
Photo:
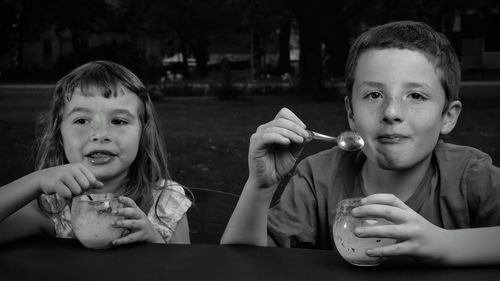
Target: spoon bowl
[347,140]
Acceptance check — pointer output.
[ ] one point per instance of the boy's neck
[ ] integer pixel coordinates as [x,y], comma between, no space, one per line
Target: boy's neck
[402,183]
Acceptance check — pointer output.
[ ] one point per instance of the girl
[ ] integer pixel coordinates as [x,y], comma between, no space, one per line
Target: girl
[101,134]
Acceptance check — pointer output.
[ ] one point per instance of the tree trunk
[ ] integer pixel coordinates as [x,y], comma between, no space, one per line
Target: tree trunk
[284,41]
[201,53]
[310,66]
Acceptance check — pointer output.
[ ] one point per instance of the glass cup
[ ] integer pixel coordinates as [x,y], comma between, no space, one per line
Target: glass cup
[353,248]
[91,218]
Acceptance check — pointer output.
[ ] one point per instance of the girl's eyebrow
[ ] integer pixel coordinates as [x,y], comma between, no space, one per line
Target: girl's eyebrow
[79,109]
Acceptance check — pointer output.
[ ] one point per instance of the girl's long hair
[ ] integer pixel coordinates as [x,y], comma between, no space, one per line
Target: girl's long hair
[150,165]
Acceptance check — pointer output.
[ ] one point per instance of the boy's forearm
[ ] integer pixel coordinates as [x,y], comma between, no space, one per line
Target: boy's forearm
[473,246]
[248,223]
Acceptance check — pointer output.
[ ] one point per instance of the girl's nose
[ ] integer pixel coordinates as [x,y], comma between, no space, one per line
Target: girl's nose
[392,111]
[101,133]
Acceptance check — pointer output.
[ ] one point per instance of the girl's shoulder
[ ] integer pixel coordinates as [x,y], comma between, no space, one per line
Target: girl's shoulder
[169,206]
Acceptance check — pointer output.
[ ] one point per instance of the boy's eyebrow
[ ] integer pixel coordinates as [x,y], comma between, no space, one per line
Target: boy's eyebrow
[408,84]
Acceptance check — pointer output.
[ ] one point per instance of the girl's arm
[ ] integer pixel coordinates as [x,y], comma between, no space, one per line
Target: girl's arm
[18,217]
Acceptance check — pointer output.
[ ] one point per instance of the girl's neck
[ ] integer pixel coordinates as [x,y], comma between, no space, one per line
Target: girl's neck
[402,183]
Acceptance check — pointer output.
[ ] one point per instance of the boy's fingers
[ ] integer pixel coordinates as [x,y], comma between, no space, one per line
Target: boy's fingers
[390,213]
[384,199]
[288,114]
[397,249]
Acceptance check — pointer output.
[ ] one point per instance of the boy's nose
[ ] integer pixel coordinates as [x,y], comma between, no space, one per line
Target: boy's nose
[392,111]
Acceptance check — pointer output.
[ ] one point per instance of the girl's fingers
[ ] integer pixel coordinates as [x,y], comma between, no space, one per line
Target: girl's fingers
[127,201]
[129,213]
[132,224]
[70,182]
[130,238]
[93,182]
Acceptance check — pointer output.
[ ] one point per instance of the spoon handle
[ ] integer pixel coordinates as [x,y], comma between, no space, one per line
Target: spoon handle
[318,136]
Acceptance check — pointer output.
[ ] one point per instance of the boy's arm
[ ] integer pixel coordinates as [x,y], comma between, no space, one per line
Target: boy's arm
[272,154]
[418,238]
[472,246]
[248,223]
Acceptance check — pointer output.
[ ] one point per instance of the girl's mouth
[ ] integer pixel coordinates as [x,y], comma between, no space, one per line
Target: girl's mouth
[100,157]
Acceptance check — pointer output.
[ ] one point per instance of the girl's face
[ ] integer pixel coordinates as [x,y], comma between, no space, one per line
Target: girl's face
[102,133]
[397,107]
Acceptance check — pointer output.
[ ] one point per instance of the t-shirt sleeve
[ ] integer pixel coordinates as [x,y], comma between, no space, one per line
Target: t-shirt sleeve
[170,205]
[483,185]
[58,211]
[292,221]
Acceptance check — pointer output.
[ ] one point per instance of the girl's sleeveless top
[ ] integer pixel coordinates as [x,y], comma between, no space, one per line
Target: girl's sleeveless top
[167,210]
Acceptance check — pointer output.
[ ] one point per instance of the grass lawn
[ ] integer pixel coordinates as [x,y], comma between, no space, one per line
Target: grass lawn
[207,139]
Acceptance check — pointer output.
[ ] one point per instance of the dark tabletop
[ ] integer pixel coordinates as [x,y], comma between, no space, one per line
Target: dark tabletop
[65,259]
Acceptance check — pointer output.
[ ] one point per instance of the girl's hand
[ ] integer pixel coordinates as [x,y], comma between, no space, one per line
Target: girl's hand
[415,236]
[67,180]
[137,222]
[274,148]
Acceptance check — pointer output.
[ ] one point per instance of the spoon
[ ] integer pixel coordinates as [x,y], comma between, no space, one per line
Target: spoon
[347,140]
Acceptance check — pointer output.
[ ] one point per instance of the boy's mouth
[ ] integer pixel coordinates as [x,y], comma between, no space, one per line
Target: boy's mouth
[100,156]
[391,138]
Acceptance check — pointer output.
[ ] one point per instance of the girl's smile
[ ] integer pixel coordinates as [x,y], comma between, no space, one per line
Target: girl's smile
[102,133]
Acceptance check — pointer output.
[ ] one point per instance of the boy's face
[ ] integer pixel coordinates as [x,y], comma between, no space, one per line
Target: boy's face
[102,133]
[397,107]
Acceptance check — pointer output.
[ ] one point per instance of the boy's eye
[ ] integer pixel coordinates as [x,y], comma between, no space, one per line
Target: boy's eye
[373,95]
[417,96]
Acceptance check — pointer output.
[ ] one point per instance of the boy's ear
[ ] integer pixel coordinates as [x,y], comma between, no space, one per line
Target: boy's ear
[350,114]
[450,117]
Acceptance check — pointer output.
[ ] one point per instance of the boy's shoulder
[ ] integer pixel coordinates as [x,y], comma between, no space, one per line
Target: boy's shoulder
[459,153]
[458,161]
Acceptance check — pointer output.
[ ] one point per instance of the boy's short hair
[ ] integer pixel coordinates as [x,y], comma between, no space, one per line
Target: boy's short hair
[415,36]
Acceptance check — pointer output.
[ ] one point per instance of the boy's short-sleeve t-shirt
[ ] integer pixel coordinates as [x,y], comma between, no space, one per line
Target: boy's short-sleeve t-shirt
[167,210]
[460,190]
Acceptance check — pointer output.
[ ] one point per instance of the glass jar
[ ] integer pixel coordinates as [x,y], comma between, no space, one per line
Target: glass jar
[353,248]
[91,218]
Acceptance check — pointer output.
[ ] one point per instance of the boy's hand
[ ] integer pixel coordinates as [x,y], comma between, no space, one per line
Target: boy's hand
[415,236]
[67,180]
[137,222]
[274,148]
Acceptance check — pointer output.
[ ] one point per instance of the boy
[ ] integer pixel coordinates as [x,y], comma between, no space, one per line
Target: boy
[444,200]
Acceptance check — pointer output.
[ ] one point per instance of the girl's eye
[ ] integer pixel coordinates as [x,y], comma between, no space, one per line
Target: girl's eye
[417,96]
[81,121]
[373,95]
[119,122]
